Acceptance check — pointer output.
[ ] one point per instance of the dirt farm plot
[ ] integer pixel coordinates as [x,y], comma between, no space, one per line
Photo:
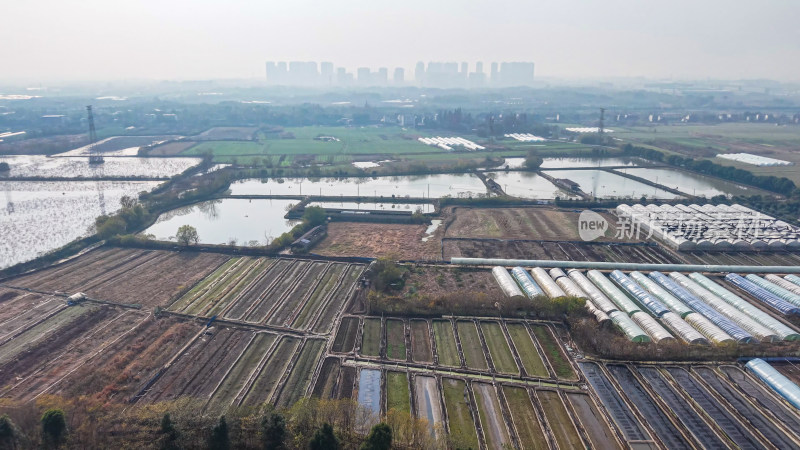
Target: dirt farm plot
[147,277]
[86,349]
[435,281]
[540,223]
[401,241]
[290,293]
[558,251]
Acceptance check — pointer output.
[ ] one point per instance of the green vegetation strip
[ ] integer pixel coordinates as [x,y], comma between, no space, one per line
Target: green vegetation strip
[525,419]
[421,342]
[395,339]
[471,345]
[346,335]
[462,428]
[324,320]
[397,394]
[371,337]
[314,301]
[554,353]
[557,417]
[264,385]
[239,374]
[302,372]
[40,332]
[498,347]
[527,351]
[446,343]
[200,288]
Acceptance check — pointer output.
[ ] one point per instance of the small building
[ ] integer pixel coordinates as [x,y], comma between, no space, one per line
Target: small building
[310,239]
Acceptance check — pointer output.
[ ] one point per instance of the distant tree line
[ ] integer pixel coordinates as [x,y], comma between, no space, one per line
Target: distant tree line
[780,185]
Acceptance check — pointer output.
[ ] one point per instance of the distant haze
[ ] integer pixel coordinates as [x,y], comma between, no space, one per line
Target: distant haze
[47,40]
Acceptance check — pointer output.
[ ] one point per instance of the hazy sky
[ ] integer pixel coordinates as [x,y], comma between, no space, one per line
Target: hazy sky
[42,40]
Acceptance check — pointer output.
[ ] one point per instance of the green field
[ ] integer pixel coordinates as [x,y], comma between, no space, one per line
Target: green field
[525,419]
[527,351]
[498,348]
[780,142]
[462,428]
[471,345]
[395,339]
[446,343]
[371,337]
[361,140]
[558,418]
[554,353]
[397,396]
[358,143]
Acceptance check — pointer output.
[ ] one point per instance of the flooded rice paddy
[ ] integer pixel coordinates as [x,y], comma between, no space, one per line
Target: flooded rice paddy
[39,216]
[604,184]
[526,185]
[79,167]
[692,183]
[433,186]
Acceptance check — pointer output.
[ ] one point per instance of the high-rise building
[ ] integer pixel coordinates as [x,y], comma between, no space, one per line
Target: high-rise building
[436,75]
[382,77]
[419,73]
[326,73]
[399,76]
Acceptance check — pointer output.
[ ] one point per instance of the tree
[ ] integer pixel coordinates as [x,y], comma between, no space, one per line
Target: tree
[187,235]
[388,274]
[219,439]
[8,432]
[127,201]
[324,439]
[533,160]
[54,427]
[169,440]
[109,226]
[273,431]
[379,438]
[314,215]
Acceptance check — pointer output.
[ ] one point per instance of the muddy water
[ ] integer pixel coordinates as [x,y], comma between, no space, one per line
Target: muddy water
[494,428]
[427,399]
[596,428]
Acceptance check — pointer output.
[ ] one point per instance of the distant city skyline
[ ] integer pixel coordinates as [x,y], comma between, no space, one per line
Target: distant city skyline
[435,74]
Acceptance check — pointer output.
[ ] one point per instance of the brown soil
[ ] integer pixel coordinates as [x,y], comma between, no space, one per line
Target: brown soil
[150,278]
[117,373]
[437,281]
[400,241]
[540,223]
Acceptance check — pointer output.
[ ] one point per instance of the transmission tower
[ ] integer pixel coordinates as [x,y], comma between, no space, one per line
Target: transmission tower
[94,156]
[9,203]
[601,129]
